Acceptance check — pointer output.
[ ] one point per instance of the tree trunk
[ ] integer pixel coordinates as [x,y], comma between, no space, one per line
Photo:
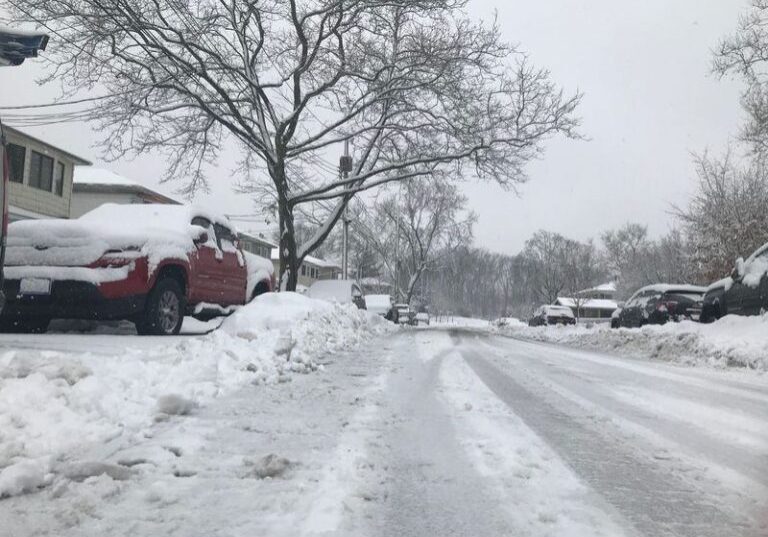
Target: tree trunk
[288,255]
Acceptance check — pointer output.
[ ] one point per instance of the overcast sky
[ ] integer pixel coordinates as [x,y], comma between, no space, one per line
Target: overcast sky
[649,101]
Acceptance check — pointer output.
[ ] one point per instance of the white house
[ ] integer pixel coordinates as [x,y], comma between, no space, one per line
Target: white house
[592,305]
[40,177]
[311,270]
[94,187]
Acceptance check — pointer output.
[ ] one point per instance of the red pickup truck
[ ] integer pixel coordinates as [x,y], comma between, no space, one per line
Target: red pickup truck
[151,264]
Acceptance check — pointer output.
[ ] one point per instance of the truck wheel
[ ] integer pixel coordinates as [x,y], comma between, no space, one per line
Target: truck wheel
[164,311]
[34,325]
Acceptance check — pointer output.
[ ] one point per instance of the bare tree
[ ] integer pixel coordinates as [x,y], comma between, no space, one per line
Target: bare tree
[416,228]
[744,53]
[582,270]
[727,216]
[545,252]
[415,86]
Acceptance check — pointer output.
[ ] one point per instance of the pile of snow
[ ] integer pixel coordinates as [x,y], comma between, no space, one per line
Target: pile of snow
[731,341]
[57,408]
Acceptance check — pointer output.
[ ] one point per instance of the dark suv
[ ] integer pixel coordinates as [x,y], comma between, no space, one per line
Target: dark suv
[657,304]
[744,292]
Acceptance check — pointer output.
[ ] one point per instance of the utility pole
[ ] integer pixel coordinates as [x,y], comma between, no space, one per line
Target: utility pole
[345,166]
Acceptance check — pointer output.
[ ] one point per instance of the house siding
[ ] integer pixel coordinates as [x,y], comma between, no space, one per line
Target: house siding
[35,200]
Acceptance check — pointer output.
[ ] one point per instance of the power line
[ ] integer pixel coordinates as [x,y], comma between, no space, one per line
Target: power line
[60,103]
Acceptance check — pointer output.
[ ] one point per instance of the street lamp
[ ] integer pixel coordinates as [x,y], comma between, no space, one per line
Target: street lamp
[16,45]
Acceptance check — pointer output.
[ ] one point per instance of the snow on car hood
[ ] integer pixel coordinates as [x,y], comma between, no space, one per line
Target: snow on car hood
[157,231]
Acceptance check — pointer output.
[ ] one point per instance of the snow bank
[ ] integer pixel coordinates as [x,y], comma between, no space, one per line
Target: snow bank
[57,408]
[731,341]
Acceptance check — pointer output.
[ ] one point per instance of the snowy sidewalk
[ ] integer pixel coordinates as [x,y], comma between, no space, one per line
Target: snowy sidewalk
[64,396]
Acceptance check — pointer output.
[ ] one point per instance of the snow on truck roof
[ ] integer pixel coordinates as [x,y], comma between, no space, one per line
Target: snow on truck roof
[151,216]
[160,231]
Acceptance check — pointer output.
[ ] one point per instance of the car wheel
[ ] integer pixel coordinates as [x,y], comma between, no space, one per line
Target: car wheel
[164,311]
[261,288]
[34,325]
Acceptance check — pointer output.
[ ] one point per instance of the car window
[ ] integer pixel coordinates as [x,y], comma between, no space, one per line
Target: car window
[206,224]
[225,238]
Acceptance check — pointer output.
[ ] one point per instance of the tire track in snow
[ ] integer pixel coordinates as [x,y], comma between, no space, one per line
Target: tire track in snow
[656,502]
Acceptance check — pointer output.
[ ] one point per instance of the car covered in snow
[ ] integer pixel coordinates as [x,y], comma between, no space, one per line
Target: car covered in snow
[660,303]
[341,291]
[150,264]
[405,315]
[383,305]
[546,315]
[615,316]
[422,318]
[744,292]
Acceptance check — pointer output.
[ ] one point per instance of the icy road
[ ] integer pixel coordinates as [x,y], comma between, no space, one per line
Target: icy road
[441,433]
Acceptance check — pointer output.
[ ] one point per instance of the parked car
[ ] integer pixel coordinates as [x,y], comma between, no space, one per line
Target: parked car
[405,315]
[383,305]
[150,264]
[546,315]
[422,318]
[341,291]
[744,292]
[615,318]
[660,303]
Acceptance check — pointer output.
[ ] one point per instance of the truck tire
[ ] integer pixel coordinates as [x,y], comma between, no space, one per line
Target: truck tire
[164,310]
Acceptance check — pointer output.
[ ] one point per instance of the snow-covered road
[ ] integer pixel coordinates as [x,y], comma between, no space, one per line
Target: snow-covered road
[442,432]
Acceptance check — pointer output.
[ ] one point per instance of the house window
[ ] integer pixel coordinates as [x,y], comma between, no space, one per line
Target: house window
[58,180]
[303,270]
[41,172]
[17,155]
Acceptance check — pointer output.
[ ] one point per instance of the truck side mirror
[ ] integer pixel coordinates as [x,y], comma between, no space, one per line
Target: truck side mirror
[737,274]
[202,238]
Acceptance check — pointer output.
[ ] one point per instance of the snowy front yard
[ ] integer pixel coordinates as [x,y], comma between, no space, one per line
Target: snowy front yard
[63,411]
[731,341]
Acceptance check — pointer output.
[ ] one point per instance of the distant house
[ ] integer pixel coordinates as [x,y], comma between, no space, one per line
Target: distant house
[94,187]
[606,291]
[311,270]
[596,304]
[256,244]
[40,177]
